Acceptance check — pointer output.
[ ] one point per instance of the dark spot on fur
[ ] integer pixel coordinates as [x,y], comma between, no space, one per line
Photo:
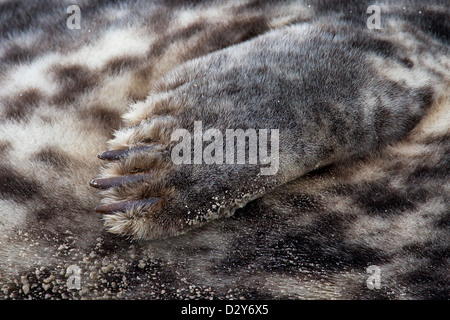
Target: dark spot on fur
[221,36]
[430,250]
[379,199]
[15,54]
[243,255]
[53,156]
[330,115]
[320,247]
[5,146]
[439,140]
[384,48]
[443,222]
[251,27]
[116,65]
[425,96]
[429,278]
[393,117]
[44,214]
[435,171]
[101,117]
[381,47]
[428,285]
[432,22]
[59,212]
[74,80]
[159,47]
[20,16]
[407,63]
[22,105]
[319,252]
[178,3]
[255,5]
[16,186]
[190,30]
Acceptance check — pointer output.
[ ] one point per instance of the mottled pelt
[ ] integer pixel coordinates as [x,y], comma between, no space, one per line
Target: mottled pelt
[93,206]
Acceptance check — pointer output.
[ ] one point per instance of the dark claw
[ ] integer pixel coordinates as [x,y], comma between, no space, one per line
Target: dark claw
[113,154]
[107,183]
[123,206]
[117,154]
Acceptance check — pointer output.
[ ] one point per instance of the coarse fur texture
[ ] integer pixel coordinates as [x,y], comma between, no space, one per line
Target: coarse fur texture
[363,174]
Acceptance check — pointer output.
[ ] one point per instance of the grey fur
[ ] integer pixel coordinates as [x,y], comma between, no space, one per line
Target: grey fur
[363,179]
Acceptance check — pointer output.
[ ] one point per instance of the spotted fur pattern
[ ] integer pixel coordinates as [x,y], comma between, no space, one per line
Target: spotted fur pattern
[364,144]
